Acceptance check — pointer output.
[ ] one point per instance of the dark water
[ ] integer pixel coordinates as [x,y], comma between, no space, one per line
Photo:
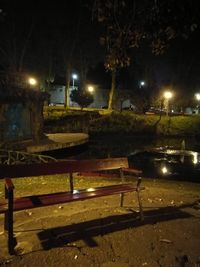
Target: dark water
[125,145]
[138,149]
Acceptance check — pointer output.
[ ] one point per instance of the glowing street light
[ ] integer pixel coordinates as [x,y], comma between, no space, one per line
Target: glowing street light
[32,81]
[74,77]
[142,83]
[90,89]
[167,95]
[164,170]
[197,95]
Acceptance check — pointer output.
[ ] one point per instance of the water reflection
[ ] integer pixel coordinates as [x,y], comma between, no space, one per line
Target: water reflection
[165,163]
[172,158]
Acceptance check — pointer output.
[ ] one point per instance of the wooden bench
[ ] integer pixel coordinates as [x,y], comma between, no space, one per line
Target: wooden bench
[86,167]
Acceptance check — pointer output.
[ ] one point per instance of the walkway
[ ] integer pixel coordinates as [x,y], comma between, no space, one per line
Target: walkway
[57,141]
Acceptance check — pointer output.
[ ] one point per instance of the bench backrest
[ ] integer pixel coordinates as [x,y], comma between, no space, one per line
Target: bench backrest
[61,167]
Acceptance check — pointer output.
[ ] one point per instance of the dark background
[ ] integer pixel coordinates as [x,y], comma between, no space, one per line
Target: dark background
[51,31]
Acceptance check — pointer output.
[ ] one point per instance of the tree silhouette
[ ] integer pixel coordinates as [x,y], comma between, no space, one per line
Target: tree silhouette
[126,24]
[82,97]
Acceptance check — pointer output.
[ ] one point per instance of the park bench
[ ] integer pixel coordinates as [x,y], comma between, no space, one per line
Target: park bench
[94,167]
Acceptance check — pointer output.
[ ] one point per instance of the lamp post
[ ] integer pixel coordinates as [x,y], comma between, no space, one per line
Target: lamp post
[74,77]
[167,95]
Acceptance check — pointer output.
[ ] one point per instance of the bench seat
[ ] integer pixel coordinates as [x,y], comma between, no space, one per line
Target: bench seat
[36,201]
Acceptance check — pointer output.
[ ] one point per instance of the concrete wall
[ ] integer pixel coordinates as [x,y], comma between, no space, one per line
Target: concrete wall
[15,123]
[57,95]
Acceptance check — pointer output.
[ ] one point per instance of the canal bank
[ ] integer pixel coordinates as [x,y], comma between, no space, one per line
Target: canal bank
[125,123]
[52,142]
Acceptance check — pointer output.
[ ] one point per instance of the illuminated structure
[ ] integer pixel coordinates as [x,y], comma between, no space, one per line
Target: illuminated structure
[167,95]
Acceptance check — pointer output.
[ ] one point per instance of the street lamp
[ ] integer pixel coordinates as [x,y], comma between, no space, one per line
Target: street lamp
[142,84]
[74,77]
[197,95]
[90,88]
[167,95]
[32,81]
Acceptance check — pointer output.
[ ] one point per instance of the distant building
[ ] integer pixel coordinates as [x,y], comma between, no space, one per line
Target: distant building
[101,96]
[57,95]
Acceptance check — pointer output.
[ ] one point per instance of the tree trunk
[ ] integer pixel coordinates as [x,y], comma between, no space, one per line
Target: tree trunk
[113,87]
[37,120]
[67,96]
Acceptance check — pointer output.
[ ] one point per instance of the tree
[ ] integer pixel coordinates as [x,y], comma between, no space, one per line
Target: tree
[126,24]
[14,87]
[82,97]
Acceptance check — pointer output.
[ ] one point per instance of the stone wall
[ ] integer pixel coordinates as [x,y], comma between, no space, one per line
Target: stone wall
[15,122]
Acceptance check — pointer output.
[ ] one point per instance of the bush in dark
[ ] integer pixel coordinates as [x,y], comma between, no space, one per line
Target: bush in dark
[81,97]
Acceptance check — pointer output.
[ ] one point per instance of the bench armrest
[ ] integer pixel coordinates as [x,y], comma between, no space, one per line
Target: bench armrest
[9,184]
[132,171]
[135,172]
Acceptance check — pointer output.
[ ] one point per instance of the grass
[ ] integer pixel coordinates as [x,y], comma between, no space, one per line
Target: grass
[97,121]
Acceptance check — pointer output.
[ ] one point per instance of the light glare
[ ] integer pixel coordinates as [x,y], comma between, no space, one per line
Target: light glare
[168,94]
[197,96]
[75,76]
[32,81]
[164,170]
[90,89]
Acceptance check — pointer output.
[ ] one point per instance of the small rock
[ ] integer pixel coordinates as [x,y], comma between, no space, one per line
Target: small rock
[60,207]
[166,241]
[71,244]
[76,257]
[6,262]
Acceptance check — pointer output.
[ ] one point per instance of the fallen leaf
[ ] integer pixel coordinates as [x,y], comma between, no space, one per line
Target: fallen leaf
[166,241]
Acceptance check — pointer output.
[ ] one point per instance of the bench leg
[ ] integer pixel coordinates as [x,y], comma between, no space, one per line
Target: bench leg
[71,182]
[8,224]
[8,227]
[121,199]
[139,199]
[140,205]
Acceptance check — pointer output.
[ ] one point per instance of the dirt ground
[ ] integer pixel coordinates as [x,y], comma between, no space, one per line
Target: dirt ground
[100,233]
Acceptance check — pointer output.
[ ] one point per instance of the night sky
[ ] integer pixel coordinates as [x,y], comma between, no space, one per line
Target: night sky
[58,30]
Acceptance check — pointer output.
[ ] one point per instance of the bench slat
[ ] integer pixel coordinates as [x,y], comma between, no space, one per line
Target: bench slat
[30,202]
[60,167]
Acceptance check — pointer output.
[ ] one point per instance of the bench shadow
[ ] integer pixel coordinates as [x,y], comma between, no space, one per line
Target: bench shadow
[86,231]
